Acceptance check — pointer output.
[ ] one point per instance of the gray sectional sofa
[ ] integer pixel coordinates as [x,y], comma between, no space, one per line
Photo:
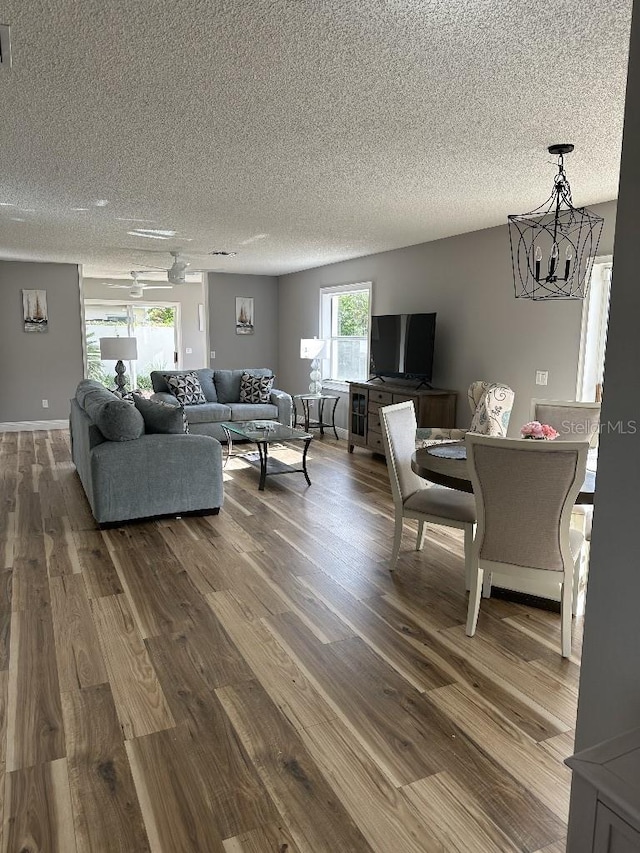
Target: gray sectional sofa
[129,474]
[222,391]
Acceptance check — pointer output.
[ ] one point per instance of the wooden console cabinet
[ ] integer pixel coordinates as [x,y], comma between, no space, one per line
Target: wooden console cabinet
[609,777]
[434,408]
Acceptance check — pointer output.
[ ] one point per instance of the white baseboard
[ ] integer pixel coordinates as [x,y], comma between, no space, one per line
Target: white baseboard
[32,426]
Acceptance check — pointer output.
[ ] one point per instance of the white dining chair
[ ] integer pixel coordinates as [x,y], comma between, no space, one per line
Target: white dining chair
[574,420]
[525,492]
[412,497]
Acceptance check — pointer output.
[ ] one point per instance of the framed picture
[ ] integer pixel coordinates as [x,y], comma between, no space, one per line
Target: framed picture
[244,315]
[34,310]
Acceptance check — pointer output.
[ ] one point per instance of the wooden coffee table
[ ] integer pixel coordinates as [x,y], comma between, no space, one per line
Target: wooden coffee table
[264,433]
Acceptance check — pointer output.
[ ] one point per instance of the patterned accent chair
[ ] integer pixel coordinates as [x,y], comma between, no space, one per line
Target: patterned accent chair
[490,404]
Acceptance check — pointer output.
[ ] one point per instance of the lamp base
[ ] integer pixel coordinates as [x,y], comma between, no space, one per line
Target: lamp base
[121,382]
[315,385]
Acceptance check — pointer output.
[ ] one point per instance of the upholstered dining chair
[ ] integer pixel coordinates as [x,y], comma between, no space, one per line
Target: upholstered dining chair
[524,492]
[574,420]
[490,404]
[412,498]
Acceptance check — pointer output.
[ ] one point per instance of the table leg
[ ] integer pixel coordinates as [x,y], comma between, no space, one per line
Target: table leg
[305,409]
[321,415]
[263,453]
[333,417]
[229,446]
[304,460]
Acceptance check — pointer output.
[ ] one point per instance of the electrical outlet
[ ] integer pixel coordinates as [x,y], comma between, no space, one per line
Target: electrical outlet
[542,377]
[212,353]
[45,404]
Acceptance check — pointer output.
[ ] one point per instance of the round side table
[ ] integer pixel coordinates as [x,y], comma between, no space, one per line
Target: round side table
[305,401]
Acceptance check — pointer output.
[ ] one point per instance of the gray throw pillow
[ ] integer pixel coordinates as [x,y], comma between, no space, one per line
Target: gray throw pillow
[161,417]
[116,419]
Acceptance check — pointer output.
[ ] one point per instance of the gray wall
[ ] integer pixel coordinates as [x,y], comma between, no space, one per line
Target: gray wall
[483,331]
[188,296]
[609,701]
[39,365]
[235,351]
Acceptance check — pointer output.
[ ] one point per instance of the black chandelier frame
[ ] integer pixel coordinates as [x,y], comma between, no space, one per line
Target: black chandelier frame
[554,246]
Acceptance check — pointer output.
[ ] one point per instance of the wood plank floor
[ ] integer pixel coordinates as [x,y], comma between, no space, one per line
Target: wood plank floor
[258,682]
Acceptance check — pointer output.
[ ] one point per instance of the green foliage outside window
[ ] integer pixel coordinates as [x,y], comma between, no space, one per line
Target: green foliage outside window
[161,316]
[353,314]
[94,364]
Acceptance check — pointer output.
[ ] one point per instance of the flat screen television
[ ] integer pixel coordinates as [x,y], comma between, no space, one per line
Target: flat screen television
[402,346]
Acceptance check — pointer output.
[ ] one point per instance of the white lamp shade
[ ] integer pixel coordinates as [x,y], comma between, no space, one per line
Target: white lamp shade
[312,348]
[116,349]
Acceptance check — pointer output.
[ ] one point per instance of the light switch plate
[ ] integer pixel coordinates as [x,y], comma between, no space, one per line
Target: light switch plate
[542,377]
[188,350]
[212,353]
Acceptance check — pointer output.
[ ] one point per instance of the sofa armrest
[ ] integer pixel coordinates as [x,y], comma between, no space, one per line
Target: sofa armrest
[157,474]
[165,397]
[284,403]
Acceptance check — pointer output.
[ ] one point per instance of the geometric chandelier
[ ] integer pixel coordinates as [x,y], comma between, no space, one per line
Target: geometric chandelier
[553,247]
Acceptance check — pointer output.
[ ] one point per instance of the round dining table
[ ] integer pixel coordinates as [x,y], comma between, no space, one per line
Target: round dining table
[446,465]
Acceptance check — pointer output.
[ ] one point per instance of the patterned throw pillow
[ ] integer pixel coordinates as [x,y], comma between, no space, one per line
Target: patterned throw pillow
[255,389]
[186,388]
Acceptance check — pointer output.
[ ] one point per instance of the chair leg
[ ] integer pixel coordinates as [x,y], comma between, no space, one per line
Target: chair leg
[581,570]
[565,616]
[420,539]
[486,584]
[474,602]
[468,556]
[397,541]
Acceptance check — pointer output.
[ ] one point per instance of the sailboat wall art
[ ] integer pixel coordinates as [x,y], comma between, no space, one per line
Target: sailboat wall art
[34,310]
[244,315]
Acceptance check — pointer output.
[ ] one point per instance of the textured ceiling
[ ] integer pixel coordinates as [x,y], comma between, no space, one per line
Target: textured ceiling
[296,132]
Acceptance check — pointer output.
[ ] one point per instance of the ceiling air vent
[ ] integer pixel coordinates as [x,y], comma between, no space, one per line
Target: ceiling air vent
[5,47]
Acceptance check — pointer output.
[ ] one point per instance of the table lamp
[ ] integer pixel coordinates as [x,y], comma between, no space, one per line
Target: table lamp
[119,349]
[313,348]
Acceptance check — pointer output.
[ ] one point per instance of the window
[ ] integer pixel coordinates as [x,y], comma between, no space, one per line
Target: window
[345,312]
[154,328]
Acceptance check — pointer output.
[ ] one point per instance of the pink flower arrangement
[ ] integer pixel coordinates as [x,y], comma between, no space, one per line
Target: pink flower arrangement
[534,429]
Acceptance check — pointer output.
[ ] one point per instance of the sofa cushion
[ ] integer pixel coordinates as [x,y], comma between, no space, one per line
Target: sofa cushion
[85,387]
[255,389]
[207,413]
[253,411]
[186,388]
[116,419]
[161,417]
[228,382]
[205,375]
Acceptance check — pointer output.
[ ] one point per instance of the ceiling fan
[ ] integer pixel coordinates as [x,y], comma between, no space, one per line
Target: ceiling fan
[177,272]
[136,288]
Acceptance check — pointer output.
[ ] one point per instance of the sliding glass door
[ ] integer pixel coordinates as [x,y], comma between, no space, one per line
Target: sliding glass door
[153,326]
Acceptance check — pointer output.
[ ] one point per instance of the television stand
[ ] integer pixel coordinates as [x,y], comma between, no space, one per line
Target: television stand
[424,384]
[433,406]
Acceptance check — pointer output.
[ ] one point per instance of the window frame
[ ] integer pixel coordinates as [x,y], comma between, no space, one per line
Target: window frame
[326,295]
